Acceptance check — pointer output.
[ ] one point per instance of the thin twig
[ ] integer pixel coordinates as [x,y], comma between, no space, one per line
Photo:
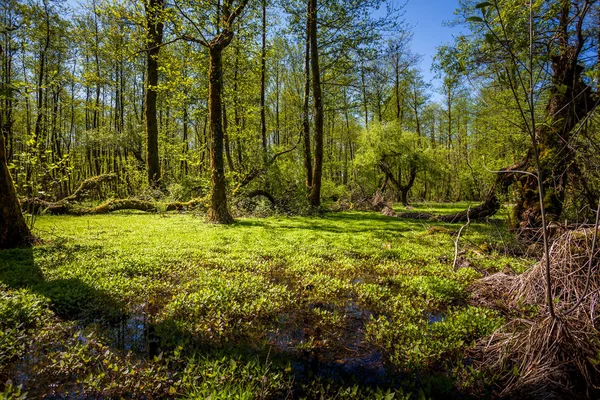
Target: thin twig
[458,238]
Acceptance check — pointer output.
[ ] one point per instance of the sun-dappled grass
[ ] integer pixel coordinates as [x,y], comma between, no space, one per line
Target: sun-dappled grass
[347,304]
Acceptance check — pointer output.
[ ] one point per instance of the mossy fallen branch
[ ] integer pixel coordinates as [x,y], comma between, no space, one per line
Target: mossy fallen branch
[187,205]
[90,186]
[121,204]
[39,206]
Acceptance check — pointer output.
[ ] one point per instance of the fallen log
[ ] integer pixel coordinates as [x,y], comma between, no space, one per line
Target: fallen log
[120,204]
[186,206]
[415,215]
[38,206]
[482,211]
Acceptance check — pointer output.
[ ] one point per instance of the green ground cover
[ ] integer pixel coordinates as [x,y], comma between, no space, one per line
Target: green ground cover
[344,305]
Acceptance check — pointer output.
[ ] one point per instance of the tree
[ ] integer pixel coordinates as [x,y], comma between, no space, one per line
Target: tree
[315,191]
[226,14]
[542,61]
[399,154]
[154,29]
[14,231]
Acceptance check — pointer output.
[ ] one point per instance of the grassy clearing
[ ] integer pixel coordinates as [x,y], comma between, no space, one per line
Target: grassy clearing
[349,304]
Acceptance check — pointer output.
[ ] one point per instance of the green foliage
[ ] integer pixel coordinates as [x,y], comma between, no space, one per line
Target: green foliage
[21,312]
[296,285]
[232,377]
[420,341]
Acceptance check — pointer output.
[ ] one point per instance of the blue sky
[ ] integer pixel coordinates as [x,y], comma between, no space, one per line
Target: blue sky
[427,18]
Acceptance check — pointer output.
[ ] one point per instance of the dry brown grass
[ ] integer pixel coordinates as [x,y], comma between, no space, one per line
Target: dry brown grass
[543,357]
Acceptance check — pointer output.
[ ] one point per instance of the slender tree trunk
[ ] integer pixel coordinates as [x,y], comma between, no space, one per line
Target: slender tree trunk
[315,193]
[364,95]
[397,86]
[186,142]
[263,67]
[226,139]
[155,34]
[236,105]
[305,107]
[277,93]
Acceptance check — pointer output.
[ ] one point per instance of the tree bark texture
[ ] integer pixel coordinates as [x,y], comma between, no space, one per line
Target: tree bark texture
[305,107]
[155,33]
[218,212]
[315,193]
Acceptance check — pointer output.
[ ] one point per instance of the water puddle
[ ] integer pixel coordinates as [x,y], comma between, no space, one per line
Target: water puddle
[341,353]
[433,318]
[134,333]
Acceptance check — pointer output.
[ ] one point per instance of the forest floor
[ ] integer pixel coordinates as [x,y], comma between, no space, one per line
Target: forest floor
[345,305]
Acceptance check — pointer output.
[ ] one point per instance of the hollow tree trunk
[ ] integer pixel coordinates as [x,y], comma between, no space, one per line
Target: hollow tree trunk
[218,212]
[155,34]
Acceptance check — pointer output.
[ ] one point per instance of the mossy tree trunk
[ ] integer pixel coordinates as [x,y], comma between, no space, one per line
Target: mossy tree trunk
[227,13]
[570,102]
[218,212]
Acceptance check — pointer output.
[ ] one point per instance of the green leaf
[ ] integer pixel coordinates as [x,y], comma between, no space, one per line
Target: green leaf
[475,19]
[483,4]
[562,89]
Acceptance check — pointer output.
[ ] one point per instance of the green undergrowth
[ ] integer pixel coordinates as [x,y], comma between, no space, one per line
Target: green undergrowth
[346,305]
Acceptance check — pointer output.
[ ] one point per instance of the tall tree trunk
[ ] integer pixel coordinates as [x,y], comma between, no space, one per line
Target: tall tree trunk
[218,211]
[154,40]
[305,107]
[186,142]
[277,93]
[397,86]
[236,106]
[364,95]
[263,67]
[315,193]
[226,138]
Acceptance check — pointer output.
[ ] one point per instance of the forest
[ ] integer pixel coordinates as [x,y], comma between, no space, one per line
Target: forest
[270,199]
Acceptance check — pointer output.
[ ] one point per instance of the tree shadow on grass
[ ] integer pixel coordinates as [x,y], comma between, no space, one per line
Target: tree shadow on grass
[70,298]
[352,222]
